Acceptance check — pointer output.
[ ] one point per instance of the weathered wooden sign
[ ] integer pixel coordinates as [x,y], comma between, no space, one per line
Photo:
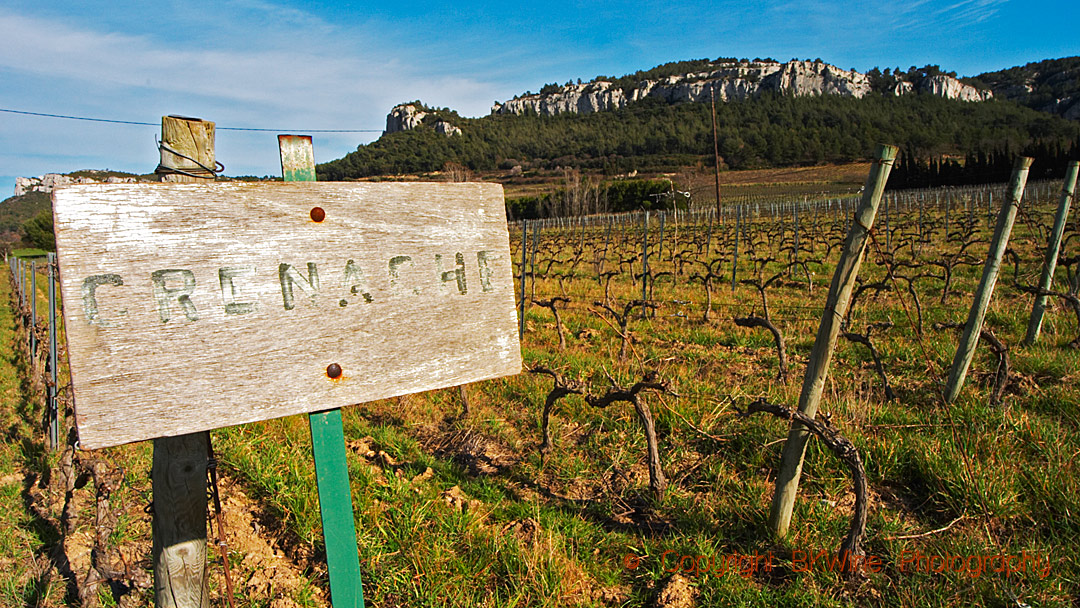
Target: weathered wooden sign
[196,306]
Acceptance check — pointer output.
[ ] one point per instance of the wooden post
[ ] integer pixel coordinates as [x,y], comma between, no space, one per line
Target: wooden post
[948,207]
[33,316]
[888,233]
[535,245]
[1050,263]
[735,253]
[178,474]
[50,391]
[795,208]
[645,266]
[663,221]
[328,440]
[524,260]
[603,256]
[708,237]
[836,306]
[970,338]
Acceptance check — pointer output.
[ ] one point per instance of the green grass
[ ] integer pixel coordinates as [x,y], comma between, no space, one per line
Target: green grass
[23,580]
[29,253]
[967,479]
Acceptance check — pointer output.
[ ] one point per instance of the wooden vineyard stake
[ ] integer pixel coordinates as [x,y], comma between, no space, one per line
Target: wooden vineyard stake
[970,338]
[1050,262]
[52,409]
[735,252]
[836,306]
[328,440]
[178,473]
[645,264]
[524,263]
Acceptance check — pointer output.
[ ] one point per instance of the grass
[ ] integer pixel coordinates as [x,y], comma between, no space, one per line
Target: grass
[20,576]
[495,523]
[28,253]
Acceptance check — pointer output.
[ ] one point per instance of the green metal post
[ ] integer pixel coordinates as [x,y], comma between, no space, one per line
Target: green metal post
[328,441]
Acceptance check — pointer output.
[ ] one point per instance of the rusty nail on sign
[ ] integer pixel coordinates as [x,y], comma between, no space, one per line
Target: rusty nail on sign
[333,370]
[317,214]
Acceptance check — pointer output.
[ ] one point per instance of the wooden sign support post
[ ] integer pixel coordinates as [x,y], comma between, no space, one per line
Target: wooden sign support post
[970,338]
[1050,263]
[836,306]
[178,473]
[328,440]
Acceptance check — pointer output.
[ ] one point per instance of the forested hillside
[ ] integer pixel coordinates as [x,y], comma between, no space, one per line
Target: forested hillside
[1051,86]
[19,211]
[770,130]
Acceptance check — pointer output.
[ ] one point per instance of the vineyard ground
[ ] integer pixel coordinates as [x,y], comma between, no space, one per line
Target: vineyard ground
[834,179]
[466,511]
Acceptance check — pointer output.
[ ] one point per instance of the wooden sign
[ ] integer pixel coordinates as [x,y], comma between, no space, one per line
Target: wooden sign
[190,307]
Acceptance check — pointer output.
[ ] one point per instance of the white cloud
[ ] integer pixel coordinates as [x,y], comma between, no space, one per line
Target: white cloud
[309,75]
[249,73]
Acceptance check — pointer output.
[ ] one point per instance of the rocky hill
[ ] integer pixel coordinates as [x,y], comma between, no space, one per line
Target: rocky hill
[768,114]
[409,116]
[46,183]
[1050,86]
[727,80]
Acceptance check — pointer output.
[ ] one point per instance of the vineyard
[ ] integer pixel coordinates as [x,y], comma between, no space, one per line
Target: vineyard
[630,463]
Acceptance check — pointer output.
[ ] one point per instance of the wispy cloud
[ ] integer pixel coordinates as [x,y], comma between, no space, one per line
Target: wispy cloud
[278,75]
[303,64]
[270,67]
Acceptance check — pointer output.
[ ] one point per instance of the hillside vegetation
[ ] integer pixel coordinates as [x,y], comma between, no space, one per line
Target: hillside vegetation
[1052,85]
[770,130]
[19,210]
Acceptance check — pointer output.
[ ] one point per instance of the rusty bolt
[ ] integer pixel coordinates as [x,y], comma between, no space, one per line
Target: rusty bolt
[333,370]
[317,214]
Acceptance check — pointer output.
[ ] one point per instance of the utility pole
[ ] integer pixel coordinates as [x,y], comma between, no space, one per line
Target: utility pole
[716,149]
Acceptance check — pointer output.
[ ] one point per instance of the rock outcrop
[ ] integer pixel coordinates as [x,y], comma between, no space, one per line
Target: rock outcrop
[444,128]
[407,116]
[46,183]
[728,82]
[951,88]
[1051,85]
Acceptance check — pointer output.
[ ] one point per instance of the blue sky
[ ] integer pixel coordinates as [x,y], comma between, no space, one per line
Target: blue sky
[342,65]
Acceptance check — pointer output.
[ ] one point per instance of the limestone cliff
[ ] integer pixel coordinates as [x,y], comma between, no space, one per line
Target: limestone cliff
[405,117]
[731,81]
[951,88]
[408,116]
[47,182]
